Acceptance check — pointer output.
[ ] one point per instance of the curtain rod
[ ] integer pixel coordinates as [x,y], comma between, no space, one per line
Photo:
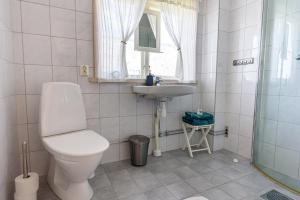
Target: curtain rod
[183,3]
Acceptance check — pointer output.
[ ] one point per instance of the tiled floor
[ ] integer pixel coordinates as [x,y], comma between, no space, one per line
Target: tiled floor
[175,176]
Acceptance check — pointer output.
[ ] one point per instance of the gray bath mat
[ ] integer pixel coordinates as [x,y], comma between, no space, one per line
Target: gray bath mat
[275,195]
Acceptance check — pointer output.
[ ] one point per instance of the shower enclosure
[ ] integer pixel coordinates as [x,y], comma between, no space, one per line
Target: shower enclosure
[276,148]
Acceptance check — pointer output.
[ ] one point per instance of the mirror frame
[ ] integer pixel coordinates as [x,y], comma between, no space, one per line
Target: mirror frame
[158,27]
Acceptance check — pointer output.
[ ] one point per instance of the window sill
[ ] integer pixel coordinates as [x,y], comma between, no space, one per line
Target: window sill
[163,81]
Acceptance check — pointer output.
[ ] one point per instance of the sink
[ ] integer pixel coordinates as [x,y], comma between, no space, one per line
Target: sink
[164,91]
[161,94]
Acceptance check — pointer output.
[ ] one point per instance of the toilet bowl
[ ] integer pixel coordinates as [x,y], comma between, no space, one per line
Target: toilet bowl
[75,151]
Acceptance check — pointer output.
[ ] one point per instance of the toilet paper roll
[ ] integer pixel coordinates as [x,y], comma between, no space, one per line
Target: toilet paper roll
[26,188]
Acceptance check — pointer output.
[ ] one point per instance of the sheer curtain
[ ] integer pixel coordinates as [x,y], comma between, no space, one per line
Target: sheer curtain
[115,22]
[180,17]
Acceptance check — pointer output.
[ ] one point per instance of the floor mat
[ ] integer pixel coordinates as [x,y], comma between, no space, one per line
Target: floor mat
[275,195]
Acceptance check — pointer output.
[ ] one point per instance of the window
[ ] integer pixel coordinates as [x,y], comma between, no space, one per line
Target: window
[162,64]
[116,56]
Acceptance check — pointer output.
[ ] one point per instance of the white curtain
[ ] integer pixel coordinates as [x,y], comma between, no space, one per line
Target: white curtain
[115,22]
[180,17]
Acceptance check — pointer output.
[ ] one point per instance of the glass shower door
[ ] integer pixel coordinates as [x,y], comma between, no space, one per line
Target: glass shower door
[276,149]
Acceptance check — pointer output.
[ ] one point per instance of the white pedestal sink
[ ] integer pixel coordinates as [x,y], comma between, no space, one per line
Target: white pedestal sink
[161,94]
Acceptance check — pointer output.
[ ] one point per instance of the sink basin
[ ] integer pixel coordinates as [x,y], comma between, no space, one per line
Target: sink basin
[164,91]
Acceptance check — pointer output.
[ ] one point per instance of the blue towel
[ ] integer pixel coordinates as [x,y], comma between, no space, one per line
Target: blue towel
[200,116]
[197,122]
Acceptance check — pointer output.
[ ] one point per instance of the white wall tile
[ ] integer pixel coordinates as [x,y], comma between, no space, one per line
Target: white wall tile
[109,88]
[86,86]
[247,105]
[252,37]
[91,102]
[37,49]
[62,22]
[127,104]
[173,121]
[233,102]
[231,143]
[253,13]
[124,151]
[84,5]
[20,79]
[33,102]
[68,74]
[84,26]
[21,109]
[35,18]
[16,15]
[85,53]
[237,18]
[110,128]
[109,105]
[35,143]
[17,48]
[246,126]
[35,77]
[144,106]
[63,52]
[22,135]
[173,142]
[245,146]
[128,126]
[145,124]
[249,82]
[69,4]
[45,2]
[234,82]
[237,4]
[39,162]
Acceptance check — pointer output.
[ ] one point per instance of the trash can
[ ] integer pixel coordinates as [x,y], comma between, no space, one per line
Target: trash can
[139,149]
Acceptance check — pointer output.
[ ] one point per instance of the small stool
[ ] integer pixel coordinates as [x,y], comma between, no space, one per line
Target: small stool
[204,129]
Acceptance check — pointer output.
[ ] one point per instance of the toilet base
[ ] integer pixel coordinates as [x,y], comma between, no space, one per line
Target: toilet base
[75,191]
[66,189]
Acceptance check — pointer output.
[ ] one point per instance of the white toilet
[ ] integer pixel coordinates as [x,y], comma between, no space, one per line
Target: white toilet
[75,151]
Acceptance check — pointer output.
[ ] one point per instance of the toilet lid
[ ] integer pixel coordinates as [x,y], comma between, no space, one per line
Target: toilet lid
[79,143]
[196,198]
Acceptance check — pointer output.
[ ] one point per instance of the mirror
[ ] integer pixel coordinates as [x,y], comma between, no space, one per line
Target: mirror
[147,35]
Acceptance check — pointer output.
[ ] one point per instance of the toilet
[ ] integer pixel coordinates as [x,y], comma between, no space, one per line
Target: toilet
[75,151]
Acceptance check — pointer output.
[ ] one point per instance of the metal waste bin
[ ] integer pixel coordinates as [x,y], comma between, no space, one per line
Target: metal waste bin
[139,149]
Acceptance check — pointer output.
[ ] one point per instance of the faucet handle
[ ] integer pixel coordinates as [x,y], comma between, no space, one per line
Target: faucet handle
[157,81]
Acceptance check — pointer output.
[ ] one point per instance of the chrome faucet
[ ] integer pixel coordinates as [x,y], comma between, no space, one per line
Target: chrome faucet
[157,81]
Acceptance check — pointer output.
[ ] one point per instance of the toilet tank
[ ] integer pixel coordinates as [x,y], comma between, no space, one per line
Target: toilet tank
[61,109]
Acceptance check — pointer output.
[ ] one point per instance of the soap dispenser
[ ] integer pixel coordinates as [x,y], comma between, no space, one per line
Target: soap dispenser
[150,79]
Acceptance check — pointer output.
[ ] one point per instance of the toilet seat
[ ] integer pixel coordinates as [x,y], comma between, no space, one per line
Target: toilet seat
[75,145]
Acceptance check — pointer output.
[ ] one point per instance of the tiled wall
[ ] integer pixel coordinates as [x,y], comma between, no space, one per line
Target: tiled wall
[55,38]
[239,37]
[9,164]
